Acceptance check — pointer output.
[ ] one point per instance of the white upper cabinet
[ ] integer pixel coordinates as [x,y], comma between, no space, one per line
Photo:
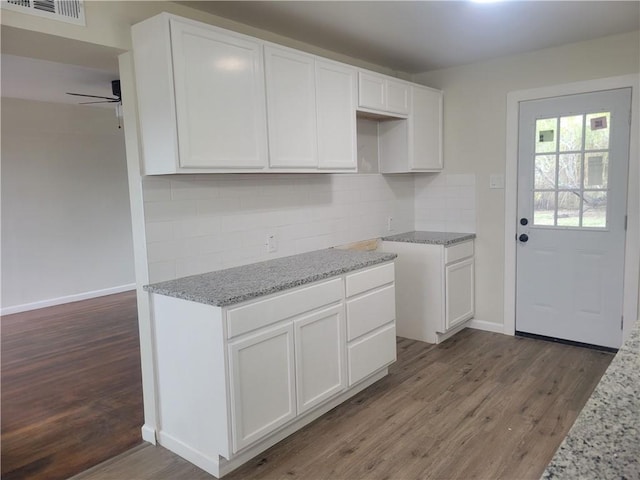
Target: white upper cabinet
[382,94]
[291,106]
[336,92]
[414,144]
[201,97]
[215,101]
[425,129]
[311,111]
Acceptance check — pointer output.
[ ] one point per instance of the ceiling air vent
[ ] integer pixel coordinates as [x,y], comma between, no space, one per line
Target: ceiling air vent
[71,11]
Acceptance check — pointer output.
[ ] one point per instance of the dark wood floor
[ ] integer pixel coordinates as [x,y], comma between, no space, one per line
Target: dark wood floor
[479,406]
[71,387]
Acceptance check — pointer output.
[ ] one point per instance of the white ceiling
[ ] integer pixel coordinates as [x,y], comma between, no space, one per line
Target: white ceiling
[409,36]
[46,81]
[416,36]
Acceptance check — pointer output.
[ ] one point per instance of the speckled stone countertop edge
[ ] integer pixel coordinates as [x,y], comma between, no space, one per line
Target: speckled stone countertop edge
[430,238]
[604,441]
[196,288]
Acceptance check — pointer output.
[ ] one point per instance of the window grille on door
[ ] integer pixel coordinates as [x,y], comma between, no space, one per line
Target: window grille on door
[570,171]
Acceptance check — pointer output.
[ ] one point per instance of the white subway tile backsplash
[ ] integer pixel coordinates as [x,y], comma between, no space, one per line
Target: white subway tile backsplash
[161,271]
[198,264]
[446,202]
[201,223]
[164,211]
[159,231]
[156,189]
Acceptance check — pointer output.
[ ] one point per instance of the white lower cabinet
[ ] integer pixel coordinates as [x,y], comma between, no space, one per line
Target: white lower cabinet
[319,340]
[232,381]
[458,288]
[435,290]
[262,384]
[371,315]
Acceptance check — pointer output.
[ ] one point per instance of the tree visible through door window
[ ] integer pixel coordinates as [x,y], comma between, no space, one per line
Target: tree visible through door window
[571,166]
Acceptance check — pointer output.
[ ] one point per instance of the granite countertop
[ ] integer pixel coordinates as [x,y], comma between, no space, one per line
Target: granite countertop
[431,238]
[234,285]
[604,441]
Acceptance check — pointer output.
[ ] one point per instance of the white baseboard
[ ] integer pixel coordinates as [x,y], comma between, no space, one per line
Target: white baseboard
[66,299]
[149,434]
[486,326]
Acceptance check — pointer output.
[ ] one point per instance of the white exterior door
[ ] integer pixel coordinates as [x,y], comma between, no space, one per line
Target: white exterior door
[572,192]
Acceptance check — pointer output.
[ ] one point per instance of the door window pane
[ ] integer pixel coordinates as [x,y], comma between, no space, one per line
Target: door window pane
[546,135]
[571,133]
[595,209]
[545,174]
[544,208]
[596,170]
[569,209]
[597,131]
[570,170]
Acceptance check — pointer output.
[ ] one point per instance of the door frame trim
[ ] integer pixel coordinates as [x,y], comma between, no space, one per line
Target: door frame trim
[632,244]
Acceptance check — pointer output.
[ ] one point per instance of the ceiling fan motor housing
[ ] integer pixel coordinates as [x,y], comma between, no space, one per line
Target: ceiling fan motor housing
[115,88]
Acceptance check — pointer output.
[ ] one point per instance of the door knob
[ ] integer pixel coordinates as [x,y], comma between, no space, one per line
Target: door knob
[523,238]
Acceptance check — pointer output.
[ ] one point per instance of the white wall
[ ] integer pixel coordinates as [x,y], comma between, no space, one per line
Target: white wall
[66,226]
[199,223]
[475,128]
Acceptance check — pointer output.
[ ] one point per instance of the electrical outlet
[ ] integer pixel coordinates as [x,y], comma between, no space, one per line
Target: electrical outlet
[272,243]
[390,224]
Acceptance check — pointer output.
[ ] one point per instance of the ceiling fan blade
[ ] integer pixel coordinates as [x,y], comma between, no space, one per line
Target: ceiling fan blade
[112,99]
[102,101]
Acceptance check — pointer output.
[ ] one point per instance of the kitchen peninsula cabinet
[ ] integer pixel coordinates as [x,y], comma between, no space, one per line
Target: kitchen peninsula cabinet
[435,280]
[242,364]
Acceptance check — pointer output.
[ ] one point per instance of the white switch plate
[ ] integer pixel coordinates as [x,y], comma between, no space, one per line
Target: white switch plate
[496,180]
[389,224]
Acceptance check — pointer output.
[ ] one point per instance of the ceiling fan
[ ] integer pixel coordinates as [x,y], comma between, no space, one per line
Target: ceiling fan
[115,89]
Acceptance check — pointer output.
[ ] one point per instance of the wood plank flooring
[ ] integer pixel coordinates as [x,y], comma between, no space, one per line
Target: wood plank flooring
[479,406]
[71,387]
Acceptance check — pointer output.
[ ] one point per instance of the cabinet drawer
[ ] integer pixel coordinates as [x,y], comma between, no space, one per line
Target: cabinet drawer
[371,353]
[265,312]
[370,311]
[368,279]
[458,252]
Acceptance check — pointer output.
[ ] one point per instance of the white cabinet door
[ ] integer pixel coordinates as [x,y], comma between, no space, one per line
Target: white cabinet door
[425,129]
[397,93]
[320,352]
[371,91]
[291,108]
[262,384]
[219,98]
[336,114]
[459,292]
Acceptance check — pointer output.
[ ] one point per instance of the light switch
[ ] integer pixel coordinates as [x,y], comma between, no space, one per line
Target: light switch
[496,180]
